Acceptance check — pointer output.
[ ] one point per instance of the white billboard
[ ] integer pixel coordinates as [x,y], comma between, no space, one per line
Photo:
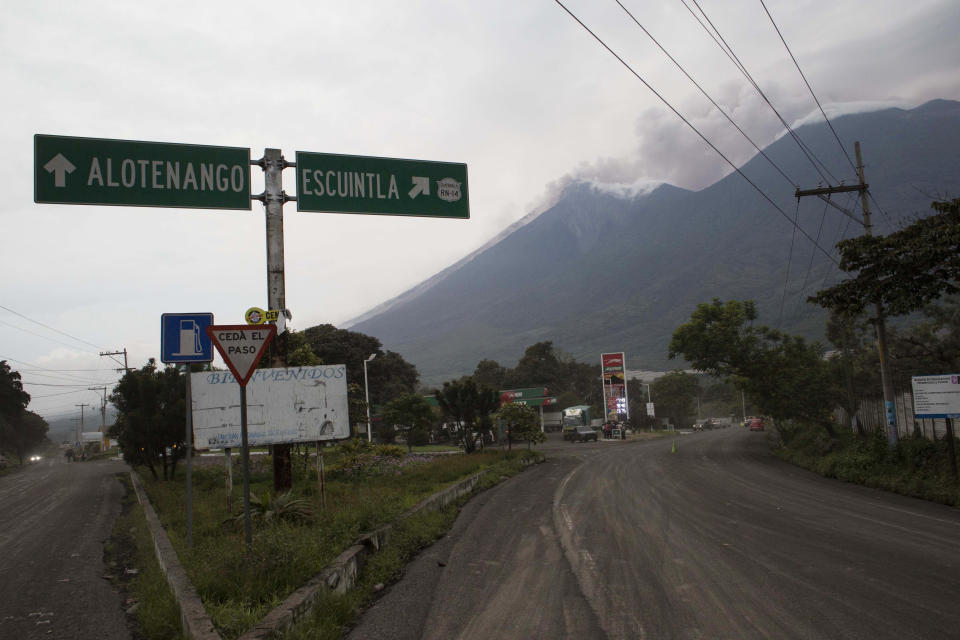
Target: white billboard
[936,396]
[300,404]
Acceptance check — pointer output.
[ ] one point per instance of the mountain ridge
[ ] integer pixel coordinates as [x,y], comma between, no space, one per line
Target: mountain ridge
[596,272]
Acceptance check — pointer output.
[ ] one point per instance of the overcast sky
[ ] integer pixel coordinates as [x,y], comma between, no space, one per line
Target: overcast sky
[516,90]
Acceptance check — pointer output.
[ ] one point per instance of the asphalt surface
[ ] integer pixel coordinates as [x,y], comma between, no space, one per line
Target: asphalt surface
[54,519]
[718,539]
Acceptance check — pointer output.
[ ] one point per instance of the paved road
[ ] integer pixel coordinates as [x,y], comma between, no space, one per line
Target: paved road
[717,540]
[54,518]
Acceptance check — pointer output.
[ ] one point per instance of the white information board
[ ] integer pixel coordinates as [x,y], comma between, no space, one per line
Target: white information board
[300,404]
[936,396]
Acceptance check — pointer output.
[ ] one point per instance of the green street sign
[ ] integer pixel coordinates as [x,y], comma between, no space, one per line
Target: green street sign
[97,171]
[384,186]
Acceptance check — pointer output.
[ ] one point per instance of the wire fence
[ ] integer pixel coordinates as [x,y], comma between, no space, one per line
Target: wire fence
[872,416]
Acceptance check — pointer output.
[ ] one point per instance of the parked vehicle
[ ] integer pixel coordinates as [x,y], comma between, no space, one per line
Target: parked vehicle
[756,424]
[573,417]
[583,434]
[4,462]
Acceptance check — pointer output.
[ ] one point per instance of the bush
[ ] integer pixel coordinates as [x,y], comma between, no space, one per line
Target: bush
[915,467]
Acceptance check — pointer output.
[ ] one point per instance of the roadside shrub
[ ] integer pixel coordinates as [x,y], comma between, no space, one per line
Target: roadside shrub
[284,507]
[915,467]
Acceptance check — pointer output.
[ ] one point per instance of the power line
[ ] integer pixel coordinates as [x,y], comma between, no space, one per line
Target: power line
[840,235]
[811,157]
[706,95]
[40,335]
[51,395]
[689,124]
[815,99]
[786,280]
[819,106]
[806,276]
[63,333]
[50,384]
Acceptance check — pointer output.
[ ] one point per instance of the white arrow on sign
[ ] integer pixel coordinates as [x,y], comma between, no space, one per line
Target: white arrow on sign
[59,167]
[420,185]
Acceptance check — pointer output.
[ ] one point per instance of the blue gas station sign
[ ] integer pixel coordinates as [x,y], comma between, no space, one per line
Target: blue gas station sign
[183,337]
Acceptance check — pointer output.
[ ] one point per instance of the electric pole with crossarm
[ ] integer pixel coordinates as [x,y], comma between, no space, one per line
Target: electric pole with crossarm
[861,187]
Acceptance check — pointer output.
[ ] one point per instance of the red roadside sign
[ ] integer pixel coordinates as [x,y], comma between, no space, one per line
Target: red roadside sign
[241,346]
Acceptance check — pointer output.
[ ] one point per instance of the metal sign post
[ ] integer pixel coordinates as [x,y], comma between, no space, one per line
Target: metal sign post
[241,347]
[183,340]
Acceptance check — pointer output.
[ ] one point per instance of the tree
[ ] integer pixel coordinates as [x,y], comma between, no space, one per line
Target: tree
[719,338]
[150,425]
[539,367]
[675,393]
[786,377]
[855,364]
[27,433]
[467,405]
[903,271]
[490,374]
[521,422]
[638,396]
[13,402]
[570,381]
[930,346]
[412,414]
[15,428]
[388,374]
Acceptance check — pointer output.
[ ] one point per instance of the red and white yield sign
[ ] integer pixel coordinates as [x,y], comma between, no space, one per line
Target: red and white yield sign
[242,346]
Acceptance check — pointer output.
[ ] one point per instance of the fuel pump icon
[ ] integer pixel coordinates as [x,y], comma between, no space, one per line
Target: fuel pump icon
[189,339]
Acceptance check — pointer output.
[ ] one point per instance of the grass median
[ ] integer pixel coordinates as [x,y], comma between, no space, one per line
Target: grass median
[295,536]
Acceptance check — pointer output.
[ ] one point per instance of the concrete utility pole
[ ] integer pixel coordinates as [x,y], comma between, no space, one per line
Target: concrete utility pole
[273,199]
[824,193]
[103,413]
[80,426]
[125,369]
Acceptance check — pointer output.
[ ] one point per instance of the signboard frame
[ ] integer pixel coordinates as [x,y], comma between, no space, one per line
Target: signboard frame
[167,339]
[945,386]
[285,405]
[613,366]
[374,185]
[242,378]
[61,162]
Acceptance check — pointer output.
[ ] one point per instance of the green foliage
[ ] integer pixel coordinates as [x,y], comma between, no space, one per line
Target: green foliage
[543,366]
[903,271]
[150,417]
[237,589]
[388,374]
[930,346]
[24,433]
[16,430]
[411,414]
[719,337]
[299,352]
[916,466]
[785,376]
[286,506]
[521,422]
[675,394]
[490,374]
[468,406]
[131,546]
[13,399]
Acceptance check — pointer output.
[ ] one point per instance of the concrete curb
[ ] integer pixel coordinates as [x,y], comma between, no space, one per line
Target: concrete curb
[339,576]
[194,620]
